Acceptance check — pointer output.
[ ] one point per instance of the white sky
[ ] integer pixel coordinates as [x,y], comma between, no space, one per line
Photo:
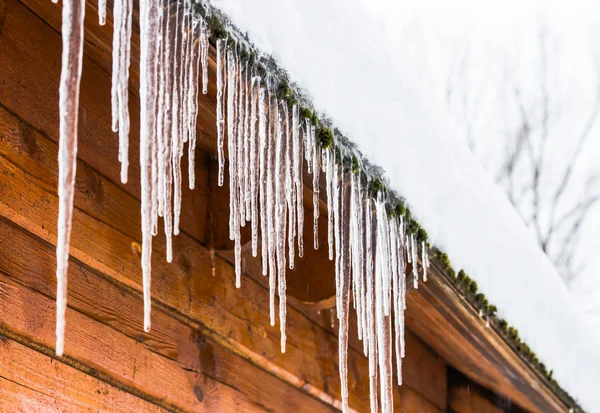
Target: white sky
[500,35]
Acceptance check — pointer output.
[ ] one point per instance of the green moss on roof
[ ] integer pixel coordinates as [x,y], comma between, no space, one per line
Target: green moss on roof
[326,137]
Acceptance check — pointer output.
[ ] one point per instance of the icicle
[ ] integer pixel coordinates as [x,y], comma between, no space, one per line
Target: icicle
[262,137]
[180,107]
[414,259]
[271,203]
[254,165]
[424,260]
[73,14]
[397,280]
[221,67]
[204,56]
[383,332]
[308,145]
[371,336]
[148,30]
[280,222]
[195,45]
[290,193]
[101,12]
[160,117]
[170,58]
[328,164]
[298,183]
[122,12]
[317,156]
[240,143]
[234,160]
[344,292]
[384,255]
[247,146]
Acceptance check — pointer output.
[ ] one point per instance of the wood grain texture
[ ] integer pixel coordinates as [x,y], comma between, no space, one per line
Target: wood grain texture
[32,382]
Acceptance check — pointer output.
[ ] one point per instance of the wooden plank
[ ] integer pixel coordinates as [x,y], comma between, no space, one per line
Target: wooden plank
[95,297]
[33,382]
[30,53]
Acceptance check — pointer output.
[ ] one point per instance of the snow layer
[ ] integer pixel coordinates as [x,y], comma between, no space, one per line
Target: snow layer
[335,50]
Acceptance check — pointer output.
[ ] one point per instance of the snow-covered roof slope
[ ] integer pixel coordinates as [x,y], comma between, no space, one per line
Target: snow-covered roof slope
[334,50]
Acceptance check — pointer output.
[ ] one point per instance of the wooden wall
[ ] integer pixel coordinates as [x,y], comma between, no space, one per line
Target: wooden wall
[211,347]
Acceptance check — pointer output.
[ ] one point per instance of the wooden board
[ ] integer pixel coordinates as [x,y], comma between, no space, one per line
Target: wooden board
[33,382]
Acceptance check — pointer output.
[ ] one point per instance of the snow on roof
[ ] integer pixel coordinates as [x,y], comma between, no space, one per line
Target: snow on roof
[334,50]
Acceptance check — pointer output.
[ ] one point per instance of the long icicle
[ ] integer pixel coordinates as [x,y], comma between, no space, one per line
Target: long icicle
[148,27]
[73,14]
[344,293]
[317,156]
[221,74]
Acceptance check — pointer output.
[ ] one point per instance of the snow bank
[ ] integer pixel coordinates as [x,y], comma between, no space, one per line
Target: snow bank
[335,50]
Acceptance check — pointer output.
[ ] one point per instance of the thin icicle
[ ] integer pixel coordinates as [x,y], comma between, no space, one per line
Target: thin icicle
[414,259]
[344,295]
[234,159]
[101,12]
[371,336]
[254,164]
[247,198]
[271,204]
[148,29]
[280,222]
[73,14]
[308,145]
[221,68]
[290,193]
[424,260]
[122,12]
[383,333]
[196,44]
[170,56]
[317,156]
[262,137]
[328,165]
[298,182]
[204,56]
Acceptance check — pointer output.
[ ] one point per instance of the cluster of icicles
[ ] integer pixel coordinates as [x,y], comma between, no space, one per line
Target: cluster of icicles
[268,143]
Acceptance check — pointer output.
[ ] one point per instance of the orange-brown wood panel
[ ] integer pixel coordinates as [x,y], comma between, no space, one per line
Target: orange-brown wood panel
[34,382]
